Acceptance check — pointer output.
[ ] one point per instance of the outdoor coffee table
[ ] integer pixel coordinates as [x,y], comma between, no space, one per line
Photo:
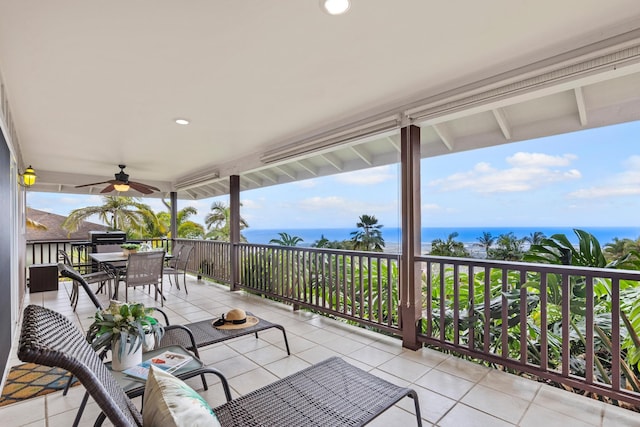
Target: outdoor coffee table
[205,334]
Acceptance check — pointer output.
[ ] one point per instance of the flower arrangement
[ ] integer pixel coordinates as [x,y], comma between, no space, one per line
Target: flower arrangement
[124,323]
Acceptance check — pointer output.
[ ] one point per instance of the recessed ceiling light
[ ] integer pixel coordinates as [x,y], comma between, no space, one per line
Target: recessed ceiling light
[182,121]
[335,7]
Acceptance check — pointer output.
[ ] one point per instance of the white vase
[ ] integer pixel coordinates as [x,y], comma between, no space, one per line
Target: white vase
[128,359]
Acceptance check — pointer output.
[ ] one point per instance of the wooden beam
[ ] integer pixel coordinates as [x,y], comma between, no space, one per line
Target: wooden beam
[394,143]
[445,135]
[582,107]
[285,171]
[333,161]
[304,164]
[360,153]
[501,118]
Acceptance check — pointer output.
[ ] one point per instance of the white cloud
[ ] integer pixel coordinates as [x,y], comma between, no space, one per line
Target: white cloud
[529,171]
[537,160]
[251,204]
[307,183]
[431,207]
[367,176]
[625,183]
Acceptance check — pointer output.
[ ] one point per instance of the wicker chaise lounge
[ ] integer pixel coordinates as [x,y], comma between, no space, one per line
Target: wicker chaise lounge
[331,393]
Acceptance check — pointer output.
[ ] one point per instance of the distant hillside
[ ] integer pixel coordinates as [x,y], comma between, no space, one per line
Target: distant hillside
[54,229]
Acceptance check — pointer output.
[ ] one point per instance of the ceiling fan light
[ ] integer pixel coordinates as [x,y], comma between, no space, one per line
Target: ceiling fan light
[121,187]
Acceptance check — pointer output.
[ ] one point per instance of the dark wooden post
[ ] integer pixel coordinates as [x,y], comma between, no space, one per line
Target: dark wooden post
[173,197]
[410,281]
[234,229]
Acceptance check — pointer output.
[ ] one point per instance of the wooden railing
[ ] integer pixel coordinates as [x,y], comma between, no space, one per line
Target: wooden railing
[563,323]
[552,321]
[359,286]
[46,252]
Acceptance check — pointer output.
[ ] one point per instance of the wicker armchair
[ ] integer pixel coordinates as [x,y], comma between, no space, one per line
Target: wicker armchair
[50,339]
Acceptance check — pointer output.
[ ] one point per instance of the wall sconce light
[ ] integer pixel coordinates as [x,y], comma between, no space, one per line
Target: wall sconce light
[28,177]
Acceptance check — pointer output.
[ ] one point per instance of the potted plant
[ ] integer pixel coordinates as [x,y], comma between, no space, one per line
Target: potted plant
[129,248]
[123,328]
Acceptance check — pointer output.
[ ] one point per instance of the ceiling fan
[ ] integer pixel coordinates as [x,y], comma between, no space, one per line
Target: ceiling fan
[122,183]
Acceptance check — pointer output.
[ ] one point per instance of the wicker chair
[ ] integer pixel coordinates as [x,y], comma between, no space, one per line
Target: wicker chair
[330,393]
[50,339]
[178,265]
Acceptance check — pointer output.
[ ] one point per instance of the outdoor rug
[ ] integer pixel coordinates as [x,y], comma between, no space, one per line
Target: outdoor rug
[29,380]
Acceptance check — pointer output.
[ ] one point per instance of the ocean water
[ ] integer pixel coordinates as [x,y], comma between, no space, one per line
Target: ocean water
[467,235]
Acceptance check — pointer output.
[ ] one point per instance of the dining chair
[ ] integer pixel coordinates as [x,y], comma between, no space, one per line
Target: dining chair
[144,269]
[178,265]
[100,277]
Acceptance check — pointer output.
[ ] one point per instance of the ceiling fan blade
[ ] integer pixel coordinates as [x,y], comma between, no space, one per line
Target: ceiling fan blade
[109,188]
[94,184]
[143,188]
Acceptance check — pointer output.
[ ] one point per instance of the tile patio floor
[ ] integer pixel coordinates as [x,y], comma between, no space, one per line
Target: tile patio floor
[453,392]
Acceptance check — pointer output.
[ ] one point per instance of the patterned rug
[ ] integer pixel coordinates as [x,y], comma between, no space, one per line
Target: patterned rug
[29,380]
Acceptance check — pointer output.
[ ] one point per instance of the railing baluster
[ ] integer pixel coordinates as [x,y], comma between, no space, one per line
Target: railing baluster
[589,355]
[566,315]
[524,330]
[456,305]
[486,341]
[504,314]
[443,292]
[544,340]
[470,311]
[615,334]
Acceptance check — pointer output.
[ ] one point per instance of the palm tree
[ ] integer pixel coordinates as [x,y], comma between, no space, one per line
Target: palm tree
[186,228]
[370,237]
[535,238]
[286,240]
[119,213]
[450,247]
[218,223]
[486,240]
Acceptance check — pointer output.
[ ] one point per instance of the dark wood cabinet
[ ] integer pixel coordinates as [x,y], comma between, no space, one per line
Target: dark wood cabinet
[43,277]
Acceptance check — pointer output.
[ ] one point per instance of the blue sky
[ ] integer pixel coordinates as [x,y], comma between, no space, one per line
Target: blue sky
[587,178]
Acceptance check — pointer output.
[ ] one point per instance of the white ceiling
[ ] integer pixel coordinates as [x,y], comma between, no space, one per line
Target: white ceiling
[94,84]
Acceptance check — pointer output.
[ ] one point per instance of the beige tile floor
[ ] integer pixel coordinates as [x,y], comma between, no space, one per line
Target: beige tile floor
[453,392]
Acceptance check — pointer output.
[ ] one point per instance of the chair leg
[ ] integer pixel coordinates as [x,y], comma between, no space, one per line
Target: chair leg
[184,279]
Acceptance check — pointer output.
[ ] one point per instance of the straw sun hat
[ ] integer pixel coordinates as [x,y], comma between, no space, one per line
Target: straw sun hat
[235,319]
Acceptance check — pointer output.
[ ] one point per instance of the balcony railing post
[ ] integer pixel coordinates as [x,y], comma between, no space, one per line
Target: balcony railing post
[409,283]
[234,232]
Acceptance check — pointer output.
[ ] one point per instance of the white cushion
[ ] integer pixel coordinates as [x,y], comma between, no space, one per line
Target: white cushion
[169,401]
